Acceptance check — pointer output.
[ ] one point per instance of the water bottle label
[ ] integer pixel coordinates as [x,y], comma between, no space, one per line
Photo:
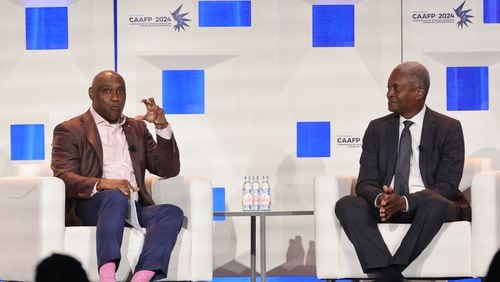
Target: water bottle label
[247,201]
[256,200]
[265,201]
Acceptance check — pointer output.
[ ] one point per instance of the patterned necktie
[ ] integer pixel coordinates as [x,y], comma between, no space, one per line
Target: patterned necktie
[402,172]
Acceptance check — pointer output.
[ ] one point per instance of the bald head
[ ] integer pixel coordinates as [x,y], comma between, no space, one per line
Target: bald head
[105,75]
[417,75]
[108,95]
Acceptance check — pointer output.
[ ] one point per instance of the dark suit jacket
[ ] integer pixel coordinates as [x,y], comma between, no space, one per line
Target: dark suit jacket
[441,158]
[77,158]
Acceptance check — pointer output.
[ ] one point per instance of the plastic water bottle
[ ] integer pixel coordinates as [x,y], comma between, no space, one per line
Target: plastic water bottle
[247,196]
[255,192]
[265,194]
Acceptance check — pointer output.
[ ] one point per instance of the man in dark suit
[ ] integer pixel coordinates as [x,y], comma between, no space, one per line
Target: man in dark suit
[426,195]
[102,156]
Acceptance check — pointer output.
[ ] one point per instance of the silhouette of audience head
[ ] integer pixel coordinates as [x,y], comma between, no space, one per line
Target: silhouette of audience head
[494,270]
[59,268]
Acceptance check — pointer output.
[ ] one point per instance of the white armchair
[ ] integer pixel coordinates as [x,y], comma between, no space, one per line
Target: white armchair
[32,220]
[460,249]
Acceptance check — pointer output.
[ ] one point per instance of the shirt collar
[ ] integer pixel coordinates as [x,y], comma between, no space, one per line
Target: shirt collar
[417,119]
[100,120]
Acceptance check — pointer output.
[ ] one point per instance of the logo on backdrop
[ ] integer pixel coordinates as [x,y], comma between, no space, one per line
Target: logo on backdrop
[176,20]
[349,141]
[460,15]
[463,16]
[180,19]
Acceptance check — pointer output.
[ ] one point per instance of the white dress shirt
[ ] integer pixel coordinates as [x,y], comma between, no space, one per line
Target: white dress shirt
[117,163]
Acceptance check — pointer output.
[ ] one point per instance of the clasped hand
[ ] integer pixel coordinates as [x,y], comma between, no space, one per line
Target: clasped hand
[390,203]
[119,184]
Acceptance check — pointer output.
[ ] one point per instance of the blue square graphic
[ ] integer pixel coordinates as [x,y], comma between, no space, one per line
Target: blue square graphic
[46,28]
[333,25]
[27,142]
[183,91]
[313,139]
[219,202]
[491,11]
[467,88]
[224,13]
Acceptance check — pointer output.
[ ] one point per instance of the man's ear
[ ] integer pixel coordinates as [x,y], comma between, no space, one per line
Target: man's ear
[420,93]
[91,93]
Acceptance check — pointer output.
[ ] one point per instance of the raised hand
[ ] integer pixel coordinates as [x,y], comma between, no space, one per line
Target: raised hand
[154,114]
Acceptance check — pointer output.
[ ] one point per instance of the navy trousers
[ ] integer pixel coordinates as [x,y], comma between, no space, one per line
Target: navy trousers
[107,210]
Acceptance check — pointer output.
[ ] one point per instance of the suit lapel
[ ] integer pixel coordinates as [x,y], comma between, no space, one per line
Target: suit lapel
[426,140]
[392,145]
[92,134]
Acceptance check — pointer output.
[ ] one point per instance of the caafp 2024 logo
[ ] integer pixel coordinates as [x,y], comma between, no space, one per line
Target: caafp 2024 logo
[461,16]
[177,20]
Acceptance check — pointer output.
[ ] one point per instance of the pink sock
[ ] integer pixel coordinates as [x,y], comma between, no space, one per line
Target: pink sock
[107,272]
[143,276]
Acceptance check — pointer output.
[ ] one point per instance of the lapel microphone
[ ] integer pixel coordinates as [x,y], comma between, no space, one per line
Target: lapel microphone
[132,148]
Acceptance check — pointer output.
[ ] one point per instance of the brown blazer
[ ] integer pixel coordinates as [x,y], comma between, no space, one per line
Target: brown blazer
[77,158]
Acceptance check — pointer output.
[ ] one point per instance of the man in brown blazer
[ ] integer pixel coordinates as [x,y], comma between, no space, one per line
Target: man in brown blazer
[102,156]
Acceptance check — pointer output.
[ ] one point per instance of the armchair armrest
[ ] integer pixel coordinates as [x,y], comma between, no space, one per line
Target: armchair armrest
[485,202]
[194,196]
[328,189]
[32,219]
[471,167]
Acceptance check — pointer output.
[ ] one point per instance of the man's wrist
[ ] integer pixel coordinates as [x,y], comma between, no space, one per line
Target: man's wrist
[376,200]
[405,199]
[98,185]
[161,125]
